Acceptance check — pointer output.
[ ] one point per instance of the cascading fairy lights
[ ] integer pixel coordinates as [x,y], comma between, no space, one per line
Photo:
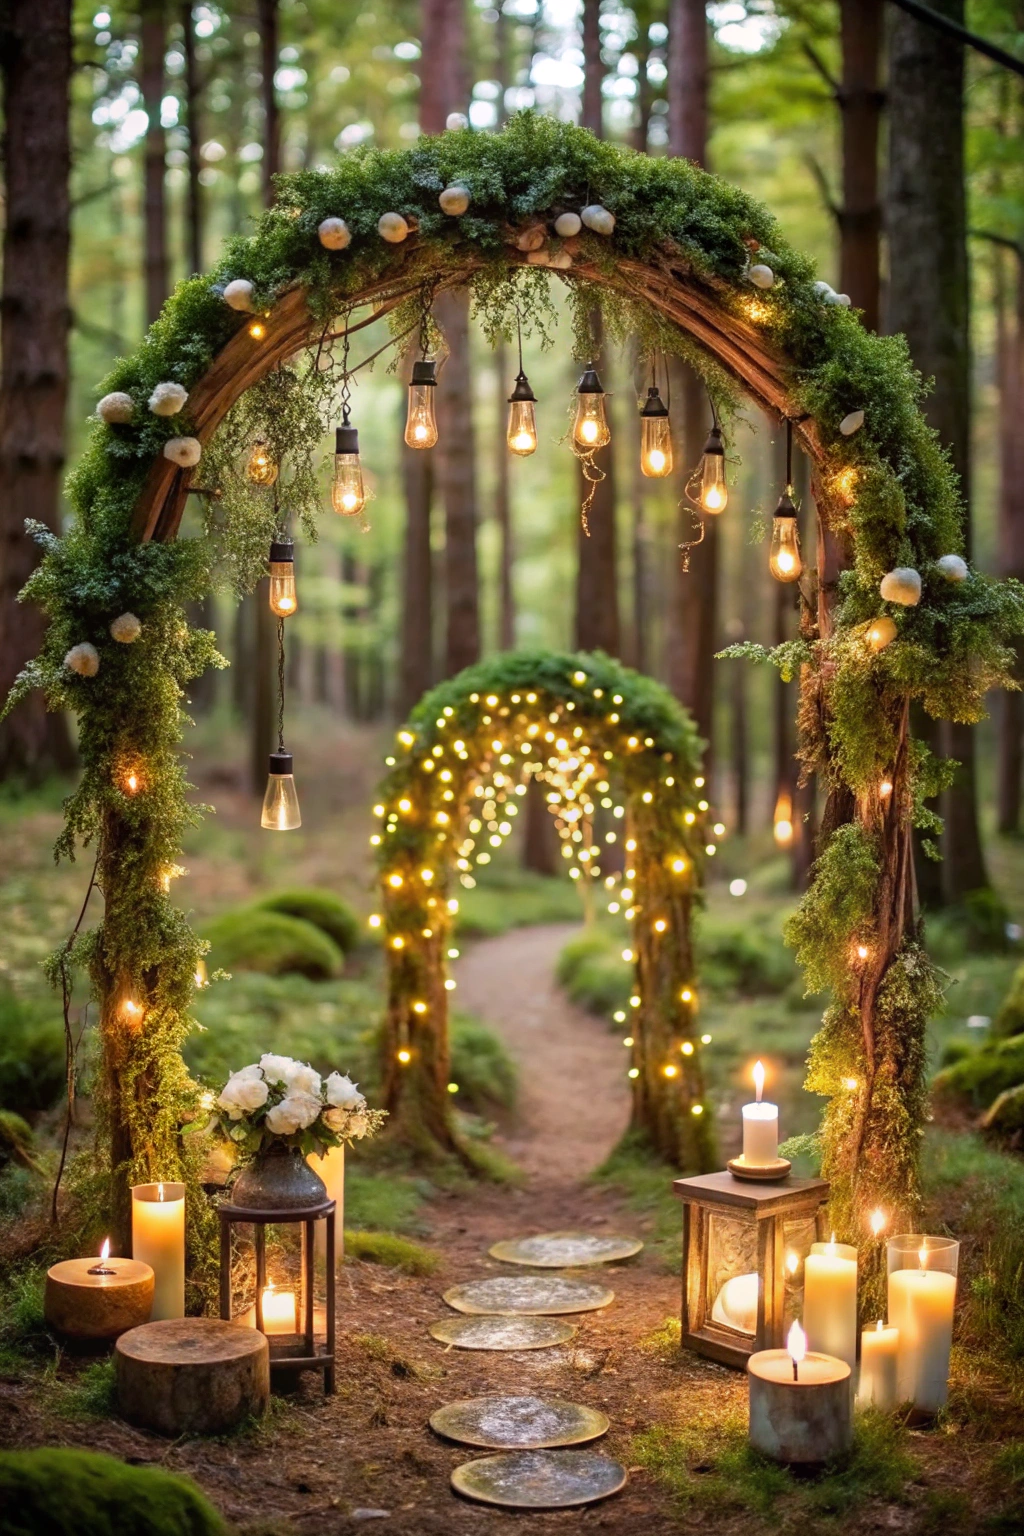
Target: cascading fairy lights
[616,780]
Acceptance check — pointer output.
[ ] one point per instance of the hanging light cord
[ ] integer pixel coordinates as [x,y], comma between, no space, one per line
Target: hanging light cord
[280,685]
[346,386]
[789,456]
[519,337]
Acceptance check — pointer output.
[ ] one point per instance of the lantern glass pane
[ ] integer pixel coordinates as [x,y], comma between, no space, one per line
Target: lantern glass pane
[733,1284]
[797,1234]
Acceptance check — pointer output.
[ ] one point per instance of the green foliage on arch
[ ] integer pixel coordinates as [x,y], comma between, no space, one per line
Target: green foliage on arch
[587,729]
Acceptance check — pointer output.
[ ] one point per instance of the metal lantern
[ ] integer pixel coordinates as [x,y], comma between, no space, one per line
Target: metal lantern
[744,1246]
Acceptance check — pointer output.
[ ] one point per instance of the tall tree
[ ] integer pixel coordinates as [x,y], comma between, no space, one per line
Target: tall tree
[693,620]
[194,219]
[929,301]
[262,740]
[597,590]
[1009,307]
[35,72]
[154,47]
[502,480]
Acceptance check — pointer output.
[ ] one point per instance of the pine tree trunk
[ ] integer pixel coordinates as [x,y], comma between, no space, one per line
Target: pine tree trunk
[860,102]
[1010,345]
[597,590]
[154,45]
[456,475]
[415,671]
[268,25]
[928,300]
[194,221]
[503,510]
[35,66]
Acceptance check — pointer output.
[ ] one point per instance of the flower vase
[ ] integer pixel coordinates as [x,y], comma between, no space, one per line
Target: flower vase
[278,1179]
[331,1168]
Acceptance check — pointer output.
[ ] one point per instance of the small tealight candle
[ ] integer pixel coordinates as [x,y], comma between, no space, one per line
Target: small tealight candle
[830,1300]
[879,1384]
[760,1127]
[800,1408]
[158,1239]
[278,1310]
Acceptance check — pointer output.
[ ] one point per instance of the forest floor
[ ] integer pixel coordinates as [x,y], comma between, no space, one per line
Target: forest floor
[677,1421]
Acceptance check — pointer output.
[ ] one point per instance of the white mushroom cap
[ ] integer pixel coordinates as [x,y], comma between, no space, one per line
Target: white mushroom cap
[115,408]
[761,276]
[238,295]
[953,567]
[334,234]
[126,628]
[184,451]
[902,585]
[392,228]
[83,659]
[598,218]
[167,399]
[454,200]
[567,225]
[851,423]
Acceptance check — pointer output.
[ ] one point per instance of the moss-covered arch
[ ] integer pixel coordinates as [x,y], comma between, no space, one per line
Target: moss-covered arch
[586,728]
[677,272]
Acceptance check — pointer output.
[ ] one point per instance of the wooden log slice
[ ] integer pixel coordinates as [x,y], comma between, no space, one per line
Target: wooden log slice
[192,1375]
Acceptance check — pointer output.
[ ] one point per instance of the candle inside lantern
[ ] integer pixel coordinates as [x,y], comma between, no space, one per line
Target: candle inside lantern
[879,1385]
[158,1239]
[922,1291]
[760,1127]
[736,1303]
[278,1310]
[830,1300]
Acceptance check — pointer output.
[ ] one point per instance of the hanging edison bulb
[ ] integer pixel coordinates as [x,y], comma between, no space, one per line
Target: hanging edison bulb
[785,561]
[348,493]
[522,418]
[283,596]
[714,493]
[420,420]
[261,468]
[655,437]
[590,429]
[281,803]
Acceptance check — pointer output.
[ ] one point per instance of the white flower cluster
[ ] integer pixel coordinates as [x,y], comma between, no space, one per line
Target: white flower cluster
[296,1096]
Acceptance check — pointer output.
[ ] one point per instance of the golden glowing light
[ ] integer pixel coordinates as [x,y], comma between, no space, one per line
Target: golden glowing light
[796,1344]
[881,633]
[783,819]
[419,1007]
[404,1057]
[670,1069]
[758,1075]
[257,330]
[261,468]
[878,1221]
[792,1262]
[885,789]
[395,881]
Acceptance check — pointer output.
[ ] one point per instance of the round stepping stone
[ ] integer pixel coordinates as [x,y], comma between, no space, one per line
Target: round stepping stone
[539,1479]
[565,1250]
[528,1296]
[192,1375]
[520,1423]
[502,1332]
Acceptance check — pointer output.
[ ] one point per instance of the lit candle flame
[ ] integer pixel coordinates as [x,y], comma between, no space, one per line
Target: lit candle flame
[877,1222]
[758,1080]
[879,1326]
[922,1257]
[796,1344]
[792,1262]
[159,1191]
[105,1250]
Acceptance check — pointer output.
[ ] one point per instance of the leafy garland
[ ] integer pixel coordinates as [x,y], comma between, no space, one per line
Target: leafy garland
[593,734]
[888,493]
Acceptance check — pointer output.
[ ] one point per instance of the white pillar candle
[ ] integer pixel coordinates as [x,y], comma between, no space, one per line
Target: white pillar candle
[760,1127]
[158,1239]
[278,1311]
[830,1300]
[879,1385]
[921,1300]
[800,1404]
[331,1168]
[736,1303]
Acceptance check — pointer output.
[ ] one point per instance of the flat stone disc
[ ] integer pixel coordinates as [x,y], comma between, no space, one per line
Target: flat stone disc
[565,1250]
[523,1423]
[539,1479]
[529,1296]
[502,1332]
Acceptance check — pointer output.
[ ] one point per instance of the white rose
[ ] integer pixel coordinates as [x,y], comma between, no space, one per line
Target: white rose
[343,1092]
[293,1114]
[357,1125]
[336,1120]
[276,1068]
[302,1078]
[242,1094]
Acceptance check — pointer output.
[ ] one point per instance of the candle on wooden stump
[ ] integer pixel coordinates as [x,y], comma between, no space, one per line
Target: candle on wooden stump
[922,1293]
[158,1239]
[760,1127]
[879,1382]
[278,1311]
[800,1410]
[97,1298]
[830,1300]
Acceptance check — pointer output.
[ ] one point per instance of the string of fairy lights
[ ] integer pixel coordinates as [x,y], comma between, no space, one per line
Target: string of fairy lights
[452,800]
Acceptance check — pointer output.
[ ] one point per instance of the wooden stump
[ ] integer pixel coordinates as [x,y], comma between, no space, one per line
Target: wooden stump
[193,1375]
[84,1306]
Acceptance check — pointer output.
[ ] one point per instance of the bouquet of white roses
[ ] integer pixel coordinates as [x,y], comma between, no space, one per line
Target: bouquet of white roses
[280,1100]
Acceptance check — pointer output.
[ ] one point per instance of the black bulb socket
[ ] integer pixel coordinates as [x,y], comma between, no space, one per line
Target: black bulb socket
[424,372]
[280,763]
[590,383]
[786,506]
[346,440]
[714,442]
[282,551]
[522,390]
[654,405]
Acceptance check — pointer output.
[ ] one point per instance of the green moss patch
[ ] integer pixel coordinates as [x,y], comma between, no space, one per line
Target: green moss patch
[321,908]
[80,1493]
[252,939]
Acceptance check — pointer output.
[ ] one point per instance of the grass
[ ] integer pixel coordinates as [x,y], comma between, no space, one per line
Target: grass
[509,897]
[647,1183]
[393,1252]
[707,1464]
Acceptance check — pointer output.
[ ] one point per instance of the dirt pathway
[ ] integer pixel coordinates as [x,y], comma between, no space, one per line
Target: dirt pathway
[573,1101]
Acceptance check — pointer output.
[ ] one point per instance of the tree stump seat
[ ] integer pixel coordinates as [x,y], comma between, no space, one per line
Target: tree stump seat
[192,1375]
